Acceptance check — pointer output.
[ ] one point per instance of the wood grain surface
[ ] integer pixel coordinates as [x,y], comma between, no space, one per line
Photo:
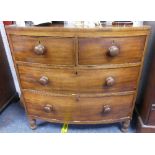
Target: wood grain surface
[95,51]
[59,51]
[72,109]
[79,80]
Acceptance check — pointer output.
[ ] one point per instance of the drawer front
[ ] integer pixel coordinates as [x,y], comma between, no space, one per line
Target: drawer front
[81,80]
[93,51]
[86,109]
[45,50]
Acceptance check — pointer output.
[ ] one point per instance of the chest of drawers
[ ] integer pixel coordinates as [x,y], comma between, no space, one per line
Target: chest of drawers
[78,75]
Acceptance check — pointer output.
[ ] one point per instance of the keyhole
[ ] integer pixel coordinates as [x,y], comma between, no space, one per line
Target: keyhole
[113,42]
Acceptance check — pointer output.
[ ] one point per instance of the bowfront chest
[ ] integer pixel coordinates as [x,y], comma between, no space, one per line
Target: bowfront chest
[78,75]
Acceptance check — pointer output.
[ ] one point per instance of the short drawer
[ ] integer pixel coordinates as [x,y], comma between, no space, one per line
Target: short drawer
[95,51]
[80,80]
[82,109]
[44,50]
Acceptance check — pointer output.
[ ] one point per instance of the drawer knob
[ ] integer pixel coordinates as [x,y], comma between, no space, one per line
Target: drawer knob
[110,81]
[48,108]
[113,51]
[39,49]
[44,80]
[106,109]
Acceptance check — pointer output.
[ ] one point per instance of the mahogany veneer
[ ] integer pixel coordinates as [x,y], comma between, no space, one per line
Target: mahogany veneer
[79,75]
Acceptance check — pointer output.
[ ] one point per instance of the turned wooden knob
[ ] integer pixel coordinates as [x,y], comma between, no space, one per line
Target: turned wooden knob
[110,81]
[44,80]
[48,108]
[113,51]
[39,49]
[106,109]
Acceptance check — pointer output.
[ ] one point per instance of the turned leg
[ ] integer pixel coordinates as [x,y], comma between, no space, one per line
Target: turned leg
[33,124]
[125,125]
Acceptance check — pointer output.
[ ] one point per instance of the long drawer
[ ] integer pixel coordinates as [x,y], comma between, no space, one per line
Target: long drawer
[116,50]
[79,80]
[81,109]
[44,50]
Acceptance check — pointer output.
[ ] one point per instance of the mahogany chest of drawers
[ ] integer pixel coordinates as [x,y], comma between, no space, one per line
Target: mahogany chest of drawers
[78,75]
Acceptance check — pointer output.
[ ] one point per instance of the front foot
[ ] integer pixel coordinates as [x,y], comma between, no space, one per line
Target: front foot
[125,125]
[33,124]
